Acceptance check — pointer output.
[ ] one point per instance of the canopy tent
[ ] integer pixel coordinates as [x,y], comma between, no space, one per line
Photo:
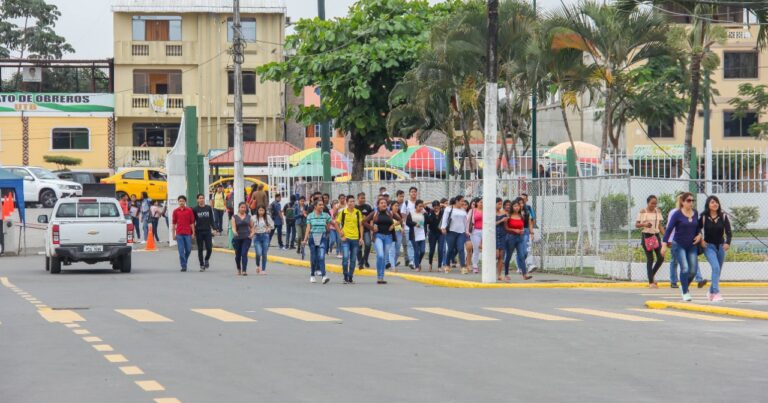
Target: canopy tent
[420,158]
[586,153]
[15,183]
[308,170]
[314,156]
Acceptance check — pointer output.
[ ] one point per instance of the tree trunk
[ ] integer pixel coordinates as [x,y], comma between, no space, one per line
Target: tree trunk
[695,89]
[449,167]
[568,130]
[607,116]
[359,149]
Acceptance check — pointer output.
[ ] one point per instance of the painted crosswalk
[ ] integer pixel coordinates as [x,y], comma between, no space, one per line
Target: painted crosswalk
[354,314]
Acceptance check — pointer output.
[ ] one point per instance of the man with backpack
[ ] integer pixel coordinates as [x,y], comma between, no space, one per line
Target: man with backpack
[290,223]
[275,211]
[300,215]
[350,226]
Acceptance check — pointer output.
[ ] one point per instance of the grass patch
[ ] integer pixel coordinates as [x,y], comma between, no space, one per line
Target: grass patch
[621,253]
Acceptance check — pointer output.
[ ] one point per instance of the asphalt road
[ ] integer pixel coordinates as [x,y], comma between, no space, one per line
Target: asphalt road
[93,335]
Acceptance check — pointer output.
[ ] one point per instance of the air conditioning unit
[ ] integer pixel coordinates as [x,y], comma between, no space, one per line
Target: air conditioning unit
[32,74]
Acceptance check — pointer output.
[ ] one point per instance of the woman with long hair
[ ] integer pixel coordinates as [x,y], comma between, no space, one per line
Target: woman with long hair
[515,242]
[134,209]
[417,233]
[242,227]
[262,226]
[686,226]
[454,227]
[649,221]
[315,237]
[716,241]
[436,237]
[381,223]
[501,232]
[476,232]
[394,250]
[333,235]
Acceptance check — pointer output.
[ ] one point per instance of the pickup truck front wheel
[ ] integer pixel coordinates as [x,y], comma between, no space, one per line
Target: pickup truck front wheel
[55,265]
[125,263]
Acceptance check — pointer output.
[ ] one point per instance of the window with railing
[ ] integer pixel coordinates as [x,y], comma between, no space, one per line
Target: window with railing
[734,126]
[155,135]
[156,27]
[157,82]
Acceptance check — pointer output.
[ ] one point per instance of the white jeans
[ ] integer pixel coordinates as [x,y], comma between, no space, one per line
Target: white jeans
[476,237]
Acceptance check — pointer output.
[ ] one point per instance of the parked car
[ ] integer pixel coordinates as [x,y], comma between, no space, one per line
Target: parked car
[230,181]
[89,230]
[42,186]
[81,177]
[379,174]
[136,181]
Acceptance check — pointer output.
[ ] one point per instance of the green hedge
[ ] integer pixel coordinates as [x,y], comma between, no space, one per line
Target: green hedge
[620,254]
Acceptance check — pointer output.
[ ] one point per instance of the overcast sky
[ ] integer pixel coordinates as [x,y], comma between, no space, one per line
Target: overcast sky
[87,24]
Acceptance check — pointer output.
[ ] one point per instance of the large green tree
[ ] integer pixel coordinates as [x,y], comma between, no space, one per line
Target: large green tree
[356,61]
[35,37]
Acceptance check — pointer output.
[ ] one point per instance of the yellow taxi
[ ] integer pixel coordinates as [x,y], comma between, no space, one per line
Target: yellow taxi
[136,181]
[379,174]
[226,182]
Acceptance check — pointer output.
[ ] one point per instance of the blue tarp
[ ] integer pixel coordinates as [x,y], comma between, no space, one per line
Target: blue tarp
[15,183]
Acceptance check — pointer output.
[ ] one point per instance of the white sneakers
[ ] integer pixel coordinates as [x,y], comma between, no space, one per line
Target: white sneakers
[326,280]
[312,279]
[687,297]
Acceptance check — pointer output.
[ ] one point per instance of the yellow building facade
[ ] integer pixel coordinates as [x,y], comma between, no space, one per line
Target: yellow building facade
[171,56]
[34,125]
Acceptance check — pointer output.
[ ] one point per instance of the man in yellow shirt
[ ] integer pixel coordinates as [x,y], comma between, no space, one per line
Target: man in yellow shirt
[350,222]
[219,206]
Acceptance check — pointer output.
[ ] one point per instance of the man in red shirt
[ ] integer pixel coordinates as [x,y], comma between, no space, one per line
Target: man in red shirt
[183,230]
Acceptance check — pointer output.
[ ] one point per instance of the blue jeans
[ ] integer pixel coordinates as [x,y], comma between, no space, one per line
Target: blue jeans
[673,268]
[515,243]
[241,247]
[410,253]
[436,243]
[394,250]
[687,258]
[136,227]
[290,234]
[455,244]
[145,225]
[261,246]
[333,240]
[716,257]
[350,247]
[382,244]
[279,229]
[317,255]
[184,243]
[419,247]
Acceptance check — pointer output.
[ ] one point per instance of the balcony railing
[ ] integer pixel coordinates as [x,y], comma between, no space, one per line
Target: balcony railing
[141,156]
[139,50]
[173,50]
[155,52]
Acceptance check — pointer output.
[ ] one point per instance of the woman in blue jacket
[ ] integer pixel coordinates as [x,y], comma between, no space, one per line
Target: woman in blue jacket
[687,227]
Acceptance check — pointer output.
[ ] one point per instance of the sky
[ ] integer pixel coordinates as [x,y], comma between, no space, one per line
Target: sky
[87,24]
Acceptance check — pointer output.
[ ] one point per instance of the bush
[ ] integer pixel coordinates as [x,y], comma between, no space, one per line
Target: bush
[741,217]
[667,203]
[62,161]
[614,210]
[621,253]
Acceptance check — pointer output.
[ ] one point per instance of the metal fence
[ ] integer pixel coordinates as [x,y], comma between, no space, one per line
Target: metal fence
[585,225]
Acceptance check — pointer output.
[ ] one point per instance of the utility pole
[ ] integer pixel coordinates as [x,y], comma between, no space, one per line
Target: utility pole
[534,152]
[237,58]
[707,143]
[490,150]
[325,128]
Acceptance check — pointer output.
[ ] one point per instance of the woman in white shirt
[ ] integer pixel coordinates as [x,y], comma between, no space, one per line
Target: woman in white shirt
[417,234]
[454,226]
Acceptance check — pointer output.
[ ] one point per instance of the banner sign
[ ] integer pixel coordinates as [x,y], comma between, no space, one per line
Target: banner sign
[158,103]
[53,102]
[661,151]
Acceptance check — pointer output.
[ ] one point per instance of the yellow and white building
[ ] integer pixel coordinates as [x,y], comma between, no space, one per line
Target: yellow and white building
[78,125]
[175,53]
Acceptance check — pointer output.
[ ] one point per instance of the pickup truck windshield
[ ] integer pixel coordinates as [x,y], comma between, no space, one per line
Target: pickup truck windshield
[87,210]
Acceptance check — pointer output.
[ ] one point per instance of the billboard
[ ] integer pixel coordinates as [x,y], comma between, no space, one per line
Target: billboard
[14,102]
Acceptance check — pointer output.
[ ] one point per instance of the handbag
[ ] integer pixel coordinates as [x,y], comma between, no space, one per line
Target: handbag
[651,243]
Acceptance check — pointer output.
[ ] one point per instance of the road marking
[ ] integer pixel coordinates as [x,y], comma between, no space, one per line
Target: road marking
[687,315]
[610,315]
[143,315]
[103,347]
[377,314]
[4,281]
[302,315]
[167,400]
[222,315]
[115,358]
[60,316]
[132,370]
[81,331]
[531,314]
[72,325]
[150,386]
[92,339]
[455,314]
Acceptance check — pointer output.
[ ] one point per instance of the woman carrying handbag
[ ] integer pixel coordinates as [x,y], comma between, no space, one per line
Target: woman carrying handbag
[649,221]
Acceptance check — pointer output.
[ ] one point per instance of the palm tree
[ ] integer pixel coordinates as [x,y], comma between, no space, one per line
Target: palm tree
[614,40]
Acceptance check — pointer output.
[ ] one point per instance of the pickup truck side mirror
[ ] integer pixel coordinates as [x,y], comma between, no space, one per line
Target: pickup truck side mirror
[29,178]
[42,219]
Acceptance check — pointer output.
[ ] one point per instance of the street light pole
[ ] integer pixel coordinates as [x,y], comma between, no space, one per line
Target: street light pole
[534,156]
[490,150]
[325,129]
[237,58]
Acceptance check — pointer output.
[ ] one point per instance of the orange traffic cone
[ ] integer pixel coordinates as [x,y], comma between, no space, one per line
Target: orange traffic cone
[7,209]
[150,239]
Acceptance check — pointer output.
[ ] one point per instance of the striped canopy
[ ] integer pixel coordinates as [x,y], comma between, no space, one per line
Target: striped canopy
[421,158]
[315,156]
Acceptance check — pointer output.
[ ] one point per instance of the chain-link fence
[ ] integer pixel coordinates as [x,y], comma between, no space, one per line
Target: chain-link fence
[586,225]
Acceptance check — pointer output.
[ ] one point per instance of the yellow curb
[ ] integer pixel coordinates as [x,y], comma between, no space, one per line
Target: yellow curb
[453,283]
[717,310]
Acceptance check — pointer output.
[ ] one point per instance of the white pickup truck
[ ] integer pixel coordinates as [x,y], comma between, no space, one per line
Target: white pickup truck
[89,230]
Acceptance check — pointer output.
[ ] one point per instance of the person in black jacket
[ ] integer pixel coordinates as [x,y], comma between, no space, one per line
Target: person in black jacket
[203,231]
[716,228]
[435,236]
